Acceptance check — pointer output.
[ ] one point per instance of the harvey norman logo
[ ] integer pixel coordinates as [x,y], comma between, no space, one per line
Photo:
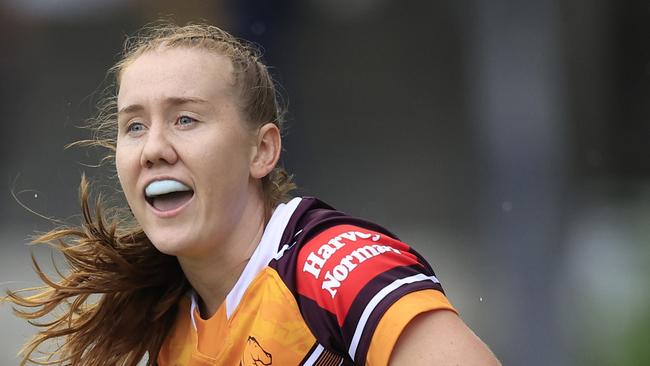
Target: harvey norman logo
[333,278]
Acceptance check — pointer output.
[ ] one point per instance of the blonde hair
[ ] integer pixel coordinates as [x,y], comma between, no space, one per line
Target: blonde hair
[109,255]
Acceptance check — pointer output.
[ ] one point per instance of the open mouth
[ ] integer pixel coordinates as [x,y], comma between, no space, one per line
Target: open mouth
[168,194]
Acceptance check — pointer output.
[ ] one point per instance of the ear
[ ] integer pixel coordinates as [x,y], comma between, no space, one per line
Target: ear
[267,152]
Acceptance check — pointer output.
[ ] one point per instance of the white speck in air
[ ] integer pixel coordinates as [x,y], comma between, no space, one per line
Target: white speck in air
[480,299]
[35,195]
[506,206]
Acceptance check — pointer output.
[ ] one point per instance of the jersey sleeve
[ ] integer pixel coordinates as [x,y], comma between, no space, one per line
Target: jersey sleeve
[397,318]
[347,279]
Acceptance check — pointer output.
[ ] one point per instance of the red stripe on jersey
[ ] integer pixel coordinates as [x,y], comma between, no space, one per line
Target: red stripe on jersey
[335,265]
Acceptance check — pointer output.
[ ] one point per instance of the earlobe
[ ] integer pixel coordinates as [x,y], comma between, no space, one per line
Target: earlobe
[267,154]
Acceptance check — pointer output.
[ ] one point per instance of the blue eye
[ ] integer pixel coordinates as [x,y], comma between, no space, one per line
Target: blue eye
[185,120]
[135,127]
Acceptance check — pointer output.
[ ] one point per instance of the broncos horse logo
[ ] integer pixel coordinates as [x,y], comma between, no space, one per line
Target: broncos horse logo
[254,354]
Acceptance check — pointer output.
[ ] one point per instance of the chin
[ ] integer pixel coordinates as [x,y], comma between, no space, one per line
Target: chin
[167,244]
[168,249]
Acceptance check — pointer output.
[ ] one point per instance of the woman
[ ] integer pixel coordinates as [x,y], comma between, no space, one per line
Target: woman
[219,266]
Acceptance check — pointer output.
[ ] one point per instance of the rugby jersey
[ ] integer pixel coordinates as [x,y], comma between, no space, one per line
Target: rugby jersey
[322,288]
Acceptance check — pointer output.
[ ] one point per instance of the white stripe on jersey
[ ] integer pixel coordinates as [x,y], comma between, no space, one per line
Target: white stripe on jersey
[317,354]
[266,250]
[314,356]
[376,300]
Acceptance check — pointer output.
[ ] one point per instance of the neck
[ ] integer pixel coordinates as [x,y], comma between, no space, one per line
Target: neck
[213,274]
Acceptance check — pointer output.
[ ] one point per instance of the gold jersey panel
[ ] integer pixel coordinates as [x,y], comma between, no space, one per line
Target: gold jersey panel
[266,328]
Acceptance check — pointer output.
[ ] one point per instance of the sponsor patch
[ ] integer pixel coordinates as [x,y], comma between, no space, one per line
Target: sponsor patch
[335,265]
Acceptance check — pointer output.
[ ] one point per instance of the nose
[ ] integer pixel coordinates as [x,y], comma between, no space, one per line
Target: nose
[158,149]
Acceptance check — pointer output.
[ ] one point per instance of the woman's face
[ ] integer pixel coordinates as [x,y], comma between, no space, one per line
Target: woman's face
[183,149]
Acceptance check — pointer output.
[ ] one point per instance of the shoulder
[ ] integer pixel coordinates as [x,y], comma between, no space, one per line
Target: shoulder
[342,259]
[346,273]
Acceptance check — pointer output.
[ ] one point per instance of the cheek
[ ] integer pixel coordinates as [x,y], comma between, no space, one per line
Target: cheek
[119,163]
[228,154]
[124,168]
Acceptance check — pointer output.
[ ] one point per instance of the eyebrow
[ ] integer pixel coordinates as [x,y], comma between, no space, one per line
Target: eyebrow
[172,101]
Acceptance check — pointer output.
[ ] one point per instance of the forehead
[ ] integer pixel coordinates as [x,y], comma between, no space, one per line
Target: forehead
[176,72]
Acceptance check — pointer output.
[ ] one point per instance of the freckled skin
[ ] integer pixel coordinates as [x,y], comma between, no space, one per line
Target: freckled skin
[210,151]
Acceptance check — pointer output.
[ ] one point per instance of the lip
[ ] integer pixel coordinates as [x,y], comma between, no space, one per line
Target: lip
[170,213]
